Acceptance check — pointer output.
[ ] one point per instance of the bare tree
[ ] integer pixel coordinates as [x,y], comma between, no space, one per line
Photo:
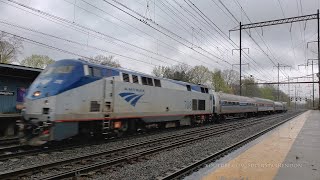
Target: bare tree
[200,74]
[180,72]
[105,60]
[10,48]
[230,76]
[37,61]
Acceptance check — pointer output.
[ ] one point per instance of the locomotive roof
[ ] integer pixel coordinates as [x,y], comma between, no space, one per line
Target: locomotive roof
[131,72]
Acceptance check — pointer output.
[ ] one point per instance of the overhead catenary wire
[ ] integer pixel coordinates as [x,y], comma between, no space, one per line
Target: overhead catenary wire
[81,27]
[146,22]
[157,40]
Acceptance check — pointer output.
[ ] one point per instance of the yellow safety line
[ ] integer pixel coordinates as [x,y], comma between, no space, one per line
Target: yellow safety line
[263,160]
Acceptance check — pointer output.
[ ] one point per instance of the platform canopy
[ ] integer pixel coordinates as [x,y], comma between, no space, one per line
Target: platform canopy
[17,71]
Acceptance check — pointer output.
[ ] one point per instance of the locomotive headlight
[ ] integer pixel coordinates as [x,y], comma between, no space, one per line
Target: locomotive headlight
[37,93]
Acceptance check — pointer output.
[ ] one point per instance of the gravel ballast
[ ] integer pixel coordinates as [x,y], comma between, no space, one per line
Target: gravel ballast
[163,163]
[154,166]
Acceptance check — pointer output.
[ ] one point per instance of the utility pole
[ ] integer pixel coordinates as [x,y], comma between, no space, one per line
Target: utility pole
[240,49]
[289,91]
[247,64]
[312,60]
[295,97]
[318,57]
[240,64]
[278,22]
[279,66]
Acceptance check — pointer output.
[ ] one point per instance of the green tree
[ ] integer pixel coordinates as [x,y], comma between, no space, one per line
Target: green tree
[10,48]
[37,61]
[267,92]
[218,82]
[200,75]
[249,88]
[105,60]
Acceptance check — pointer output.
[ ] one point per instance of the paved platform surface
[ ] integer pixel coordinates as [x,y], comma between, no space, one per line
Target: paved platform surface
[291,151]
[304,152]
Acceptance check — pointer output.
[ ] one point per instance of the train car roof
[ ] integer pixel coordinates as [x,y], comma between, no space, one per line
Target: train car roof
[132,72]
[262,99]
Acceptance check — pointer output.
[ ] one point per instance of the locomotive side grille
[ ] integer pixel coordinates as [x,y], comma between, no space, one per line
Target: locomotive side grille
[94,106]
[194,104]
[202,105]
[45,110]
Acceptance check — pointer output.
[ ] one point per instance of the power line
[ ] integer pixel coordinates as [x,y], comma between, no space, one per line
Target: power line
[73,42]
[157,40]
[237,21]
[81,26]
[146,23]
[69,52]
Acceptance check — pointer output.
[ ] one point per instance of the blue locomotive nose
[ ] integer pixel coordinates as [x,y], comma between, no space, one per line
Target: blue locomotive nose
[56,78]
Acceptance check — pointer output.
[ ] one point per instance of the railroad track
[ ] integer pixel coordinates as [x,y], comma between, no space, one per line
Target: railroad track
[183,172]
[9,141]
[90,162]
[18,151]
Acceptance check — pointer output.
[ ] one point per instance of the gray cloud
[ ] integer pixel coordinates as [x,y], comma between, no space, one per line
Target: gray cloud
[278,38]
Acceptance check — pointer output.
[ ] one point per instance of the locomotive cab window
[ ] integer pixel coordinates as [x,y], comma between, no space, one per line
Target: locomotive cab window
[144,81]
[157,83]
[135,79]
[147,81]
[90,71]
[202,90]
[188,87]
[206,90]
[97,72]
[150,82]
[125,77]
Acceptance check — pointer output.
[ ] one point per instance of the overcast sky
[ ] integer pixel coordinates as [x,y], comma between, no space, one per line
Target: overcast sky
[175,32]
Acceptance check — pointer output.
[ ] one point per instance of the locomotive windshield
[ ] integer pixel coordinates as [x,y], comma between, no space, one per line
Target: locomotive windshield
[57,70]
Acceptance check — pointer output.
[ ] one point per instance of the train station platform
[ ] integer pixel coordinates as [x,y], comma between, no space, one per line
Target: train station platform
[8,124]
[291,151]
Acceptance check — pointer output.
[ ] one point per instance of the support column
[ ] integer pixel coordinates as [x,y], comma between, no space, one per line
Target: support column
[318,58]
[240,49]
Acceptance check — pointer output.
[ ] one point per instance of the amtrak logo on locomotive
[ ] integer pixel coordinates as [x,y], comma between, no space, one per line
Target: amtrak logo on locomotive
[132,97]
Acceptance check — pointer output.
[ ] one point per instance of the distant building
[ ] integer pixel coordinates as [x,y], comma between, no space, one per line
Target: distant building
[14,81]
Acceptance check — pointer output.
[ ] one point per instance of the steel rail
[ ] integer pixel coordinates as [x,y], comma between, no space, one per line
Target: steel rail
[188,169]
[20,151]
[122,158]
